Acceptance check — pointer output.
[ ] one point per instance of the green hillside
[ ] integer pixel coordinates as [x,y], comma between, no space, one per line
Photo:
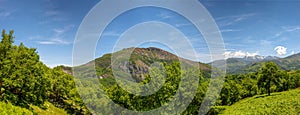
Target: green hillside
[9,109]
[239,65]
[139,63]
[287,103]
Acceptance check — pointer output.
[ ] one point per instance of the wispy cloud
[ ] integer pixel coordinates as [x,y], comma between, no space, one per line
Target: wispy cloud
[229,30]
[52,13]
[55,41]
[183,24]
[230,20]
[286,30]
[5,13]
[110,33]
[164,15]
[57,38]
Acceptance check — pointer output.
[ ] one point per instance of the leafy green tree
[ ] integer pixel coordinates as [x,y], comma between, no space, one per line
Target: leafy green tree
[268,76]
[5,46]
[22,81]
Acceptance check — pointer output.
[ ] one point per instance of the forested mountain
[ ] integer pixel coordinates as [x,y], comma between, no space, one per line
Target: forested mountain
[138,64]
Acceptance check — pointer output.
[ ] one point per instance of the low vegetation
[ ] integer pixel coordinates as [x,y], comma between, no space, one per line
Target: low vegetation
[287,102]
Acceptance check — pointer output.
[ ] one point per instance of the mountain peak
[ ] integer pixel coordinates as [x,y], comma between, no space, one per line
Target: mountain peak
[260,58]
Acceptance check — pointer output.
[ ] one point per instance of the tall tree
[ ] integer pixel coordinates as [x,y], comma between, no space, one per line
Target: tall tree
[5,46]
[268,76]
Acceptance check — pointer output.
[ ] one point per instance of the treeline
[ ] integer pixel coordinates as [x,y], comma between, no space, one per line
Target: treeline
[270,78]
[25,80]
[169,93]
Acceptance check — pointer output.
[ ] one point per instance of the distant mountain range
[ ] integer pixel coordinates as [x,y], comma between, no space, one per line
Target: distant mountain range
[253,63]
[142,58]
[236,64]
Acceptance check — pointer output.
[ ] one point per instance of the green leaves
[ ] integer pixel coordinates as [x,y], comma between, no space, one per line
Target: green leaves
[21,74]
[25,81]
[269,75]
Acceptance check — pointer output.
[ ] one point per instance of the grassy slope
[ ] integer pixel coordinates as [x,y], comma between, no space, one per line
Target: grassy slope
[51,110]
[287,103]
[9,109]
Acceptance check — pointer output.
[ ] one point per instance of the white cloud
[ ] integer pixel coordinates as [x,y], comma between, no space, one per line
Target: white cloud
[230,20]
[55,41]
[58,37]
[164,15]
[286,30]
[239,54]
[280,50]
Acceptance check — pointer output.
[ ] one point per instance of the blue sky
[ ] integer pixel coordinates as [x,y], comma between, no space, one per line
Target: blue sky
[248,27]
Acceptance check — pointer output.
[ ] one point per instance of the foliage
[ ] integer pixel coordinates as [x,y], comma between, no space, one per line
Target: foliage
[277,103]
[22,80]
[63,92]
[268,76]
[26,82]
[50,110]
[238,87]
[9,109]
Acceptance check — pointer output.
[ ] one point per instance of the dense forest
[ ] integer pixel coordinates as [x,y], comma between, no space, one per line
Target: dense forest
[27,83]
[269,78]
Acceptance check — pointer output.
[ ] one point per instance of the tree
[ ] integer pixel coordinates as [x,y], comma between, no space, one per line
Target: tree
[268,76]
[22,81]
[5,46]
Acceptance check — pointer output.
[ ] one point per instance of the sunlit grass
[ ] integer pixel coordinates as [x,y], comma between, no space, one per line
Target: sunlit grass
[287,103]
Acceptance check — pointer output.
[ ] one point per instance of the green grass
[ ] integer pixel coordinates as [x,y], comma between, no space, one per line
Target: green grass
[287,103]
[51,110]
[9,109]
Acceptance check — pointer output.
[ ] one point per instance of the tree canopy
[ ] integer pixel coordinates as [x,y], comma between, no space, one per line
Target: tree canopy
[25,80]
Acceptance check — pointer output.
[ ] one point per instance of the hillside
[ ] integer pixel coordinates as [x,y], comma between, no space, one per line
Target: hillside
[236,65]
[245,65]
[138,64]
[9,109]
[289,63]
[278,103]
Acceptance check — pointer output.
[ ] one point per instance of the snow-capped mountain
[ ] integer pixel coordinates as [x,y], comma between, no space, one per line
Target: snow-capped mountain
[258,58]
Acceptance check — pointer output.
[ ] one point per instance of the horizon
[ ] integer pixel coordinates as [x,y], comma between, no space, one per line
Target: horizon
[248,28]
[182,57]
